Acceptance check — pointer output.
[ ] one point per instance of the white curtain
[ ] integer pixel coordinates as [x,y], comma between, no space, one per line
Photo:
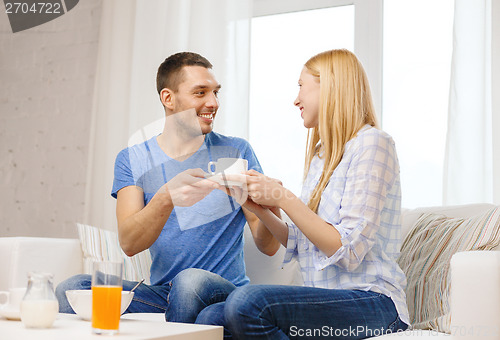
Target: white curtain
[468,170]
[135,37]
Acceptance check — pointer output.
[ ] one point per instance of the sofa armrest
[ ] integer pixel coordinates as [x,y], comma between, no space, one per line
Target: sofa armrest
[475,295]
[20,255]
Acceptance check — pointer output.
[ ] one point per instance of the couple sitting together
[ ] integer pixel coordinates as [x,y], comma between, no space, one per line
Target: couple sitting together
[346,224]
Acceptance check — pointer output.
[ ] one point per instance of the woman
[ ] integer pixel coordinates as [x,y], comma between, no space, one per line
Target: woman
[346,224]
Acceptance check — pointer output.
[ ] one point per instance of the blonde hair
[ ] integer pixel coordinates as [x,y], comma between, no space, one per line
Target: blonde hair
[345,106]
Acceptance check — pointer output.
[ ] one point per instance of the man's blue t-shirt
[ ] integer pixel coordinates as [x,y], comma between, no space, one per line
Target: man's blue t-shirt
[207,235]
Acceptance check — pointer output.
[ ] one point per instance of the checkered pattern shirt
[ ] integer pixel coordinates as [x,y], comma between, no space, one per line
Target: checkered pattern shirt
[363,202]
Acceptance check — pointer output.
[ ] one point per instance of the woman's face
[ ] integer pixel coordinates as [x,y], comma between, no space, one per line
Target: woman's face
[308,98]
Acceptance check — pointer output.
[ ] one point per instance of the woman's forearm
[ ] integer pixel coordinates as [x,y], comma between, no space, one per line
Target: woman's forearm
[322,234]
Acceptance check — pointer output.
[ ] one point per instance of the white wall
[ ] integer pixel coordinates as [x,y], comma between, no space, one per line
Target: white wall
[46,83]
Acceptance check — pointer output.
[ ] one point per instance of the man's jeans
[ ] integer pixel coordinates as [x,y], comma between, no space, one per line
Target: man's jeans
[182,300]
[282,312]
[147,299]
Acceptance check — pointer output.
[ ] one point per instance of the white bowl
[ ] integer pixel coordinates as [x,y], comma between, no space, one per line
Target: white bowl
[81,302]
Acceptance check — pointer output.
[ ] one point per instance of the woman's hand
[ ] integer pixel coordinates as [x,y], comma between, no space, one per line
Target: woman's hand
[240,194]
[268,230]
[263,190]
[258,189]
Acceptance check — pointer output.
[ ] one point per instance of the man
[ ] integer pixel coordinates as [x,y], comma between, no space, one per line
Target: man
[166,204]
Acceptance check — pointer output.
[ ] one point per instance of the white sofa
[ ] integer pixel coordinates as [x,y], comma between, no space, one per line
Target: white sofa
[63,258]
[262,269]
[20,255]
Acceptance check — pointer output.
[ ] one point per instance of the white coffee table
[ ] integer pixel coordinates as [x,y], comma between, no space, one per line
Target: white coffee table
[132,326]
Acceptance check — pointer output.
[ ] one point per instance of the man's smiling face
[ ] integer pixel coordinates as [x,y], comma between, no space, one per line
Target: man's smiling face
[198,90]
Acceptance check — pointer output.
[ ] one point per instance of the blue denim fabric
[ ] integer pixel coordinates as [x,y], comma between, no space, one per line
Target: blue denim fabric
[214,315]
[283,312]
[192,290]
[147,299]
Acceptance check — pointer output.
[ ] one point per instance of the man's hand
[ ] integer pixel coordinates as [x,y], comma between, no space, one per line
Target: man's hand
[189,187]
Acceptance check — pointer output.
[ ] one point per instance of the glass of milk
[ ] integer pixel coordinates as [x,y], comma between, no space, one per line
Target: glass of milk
[39,306]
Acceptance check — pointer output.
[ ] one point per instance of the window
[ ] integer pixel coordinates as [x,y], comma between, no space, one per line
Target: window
[280,46]
[416,74]
[410,84]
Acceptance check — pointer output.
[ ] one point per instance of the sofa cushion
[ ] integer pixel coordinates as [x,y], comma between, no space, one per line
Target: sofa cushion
[425,258]
[103,245]
[410,216]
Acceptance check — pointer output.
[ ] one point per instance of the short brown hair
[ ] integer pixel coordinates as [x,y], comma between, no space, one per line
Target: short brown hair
[170,71]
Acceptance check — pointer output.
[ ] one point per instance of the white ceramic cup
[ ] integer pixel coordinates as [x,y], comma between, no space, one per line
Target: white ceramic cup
[228,166]
[12,299]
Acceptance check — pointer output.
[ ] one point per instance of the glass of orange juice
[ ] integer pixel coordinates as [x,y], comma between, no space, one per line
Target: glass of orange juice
[106,297]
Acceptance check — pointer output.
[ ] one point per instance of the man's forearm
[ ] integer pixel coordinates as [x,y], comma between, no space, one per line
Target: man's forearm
[268,231]
[273,224]
[140,230]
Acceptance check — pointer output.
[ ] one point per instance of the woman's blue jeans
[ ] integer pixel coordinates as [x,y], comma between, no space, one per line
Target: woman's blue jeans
[283,312]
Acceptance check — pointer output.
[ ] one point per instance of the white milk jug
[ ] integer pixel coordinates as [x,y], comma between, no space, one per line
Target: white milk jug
[39,306]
